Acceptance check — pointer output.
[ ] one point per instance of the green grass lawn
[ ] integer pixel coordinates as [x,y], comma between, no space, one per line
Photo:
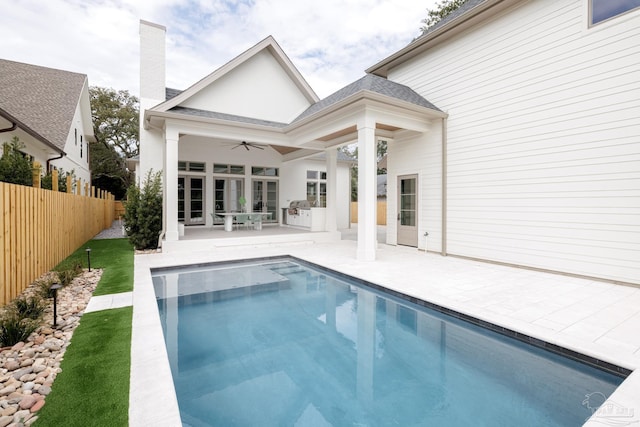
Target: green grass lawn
[93,387]
[115,256]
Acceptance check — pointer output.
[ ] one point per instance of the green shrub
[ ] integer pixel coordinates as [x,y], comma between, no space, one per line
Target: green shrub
[43,288]
[14,329]
[15,167]
[31,308]
[47,180]
[68,271]
[143,212]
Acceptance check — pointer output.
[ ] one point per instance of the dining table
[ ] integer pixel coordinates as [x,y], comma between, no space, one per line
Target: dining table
[242,217]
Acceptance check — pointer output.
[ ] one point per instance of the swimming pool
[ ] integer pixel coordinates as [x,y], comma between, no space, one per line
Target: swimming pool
[280,343]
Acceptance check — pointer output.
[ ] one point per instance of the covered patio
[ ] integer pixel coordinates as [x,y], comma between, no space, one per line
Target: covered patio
[253,123]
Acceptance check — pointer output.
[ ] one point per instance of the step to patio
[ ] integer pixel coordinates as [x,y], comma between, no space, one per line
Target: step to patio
[106,302]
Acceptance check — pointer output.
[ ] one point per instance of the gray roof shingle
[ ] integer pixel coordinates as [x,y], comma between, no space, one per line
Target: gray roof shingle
[371,83]
[42,99]
[225,116]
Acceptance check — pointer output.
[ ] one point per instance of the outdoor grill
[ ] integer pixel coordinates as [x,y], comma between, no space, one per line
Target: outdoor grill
[296,205]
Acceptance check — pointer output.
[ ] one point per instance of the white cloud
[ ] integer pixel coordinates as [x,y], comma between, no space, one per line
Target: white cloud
[332,42]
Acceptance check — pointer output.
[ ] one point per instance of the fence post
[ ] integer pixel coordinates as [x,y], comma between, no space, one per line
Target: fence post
[86,189]
[79,187]
[54,180]
[69,184]
[35,174]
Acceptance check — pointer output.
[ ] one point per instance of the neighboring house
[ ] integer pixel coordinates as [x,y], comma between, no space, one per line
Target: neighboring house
[49,111]
[512,129]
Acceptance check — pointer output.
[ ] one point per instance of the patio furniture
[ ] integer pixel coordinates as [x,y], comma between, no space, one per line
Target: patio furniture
[246,219]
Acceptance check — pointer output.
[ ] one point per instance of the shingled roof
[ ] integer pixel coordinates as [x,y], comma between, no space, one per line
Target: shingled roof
[42,100]
[369,82]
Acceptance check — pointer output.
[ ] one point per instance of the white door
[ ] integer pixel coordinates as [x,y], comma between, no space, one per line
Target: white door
[408,210]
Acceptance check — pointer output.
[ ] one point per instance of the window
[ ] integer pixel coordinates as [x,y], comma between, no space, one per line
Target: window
[317,188]
[230,169]
[191,166]
[75,131]
[264,171]
[601,10]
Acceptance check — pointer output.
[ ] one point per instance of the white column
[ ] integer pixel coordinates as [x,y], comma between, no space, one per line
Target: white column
[171,186]
[367,169]
[332,186]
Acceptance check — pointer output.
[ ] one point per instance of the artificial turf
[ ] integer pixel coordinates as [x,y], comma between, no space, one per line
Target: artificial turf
[93,387]
[116,254]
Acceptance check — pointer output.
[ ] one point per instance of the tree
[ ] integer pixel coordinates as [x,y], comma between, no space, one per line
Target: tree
[47,180]
[15,167]
[439,12]
[352,150]
[143,212]
[115,120]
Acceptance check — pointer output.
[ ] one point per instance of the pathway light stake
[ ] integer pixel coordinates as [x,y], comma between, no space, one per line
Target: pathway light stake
[88,250]
[55,288]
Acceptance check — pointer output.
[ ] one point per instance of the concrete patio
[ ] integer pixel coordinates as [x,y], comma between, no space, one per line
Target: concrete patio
[598,319]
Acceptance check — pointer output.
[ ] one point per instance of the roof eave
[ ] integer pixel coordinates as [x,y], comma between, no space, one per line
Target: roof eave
[148,114]
[31,132]
[450,29]
[362,95]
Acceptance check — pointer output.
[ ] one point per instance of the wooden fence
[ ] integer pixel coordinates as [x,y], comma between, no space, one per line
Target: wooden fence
[381,212]
[39,228]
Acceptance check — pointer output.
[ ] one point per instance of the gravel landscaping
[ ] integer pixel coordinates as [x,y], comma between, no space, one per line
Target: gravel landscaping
[28,369]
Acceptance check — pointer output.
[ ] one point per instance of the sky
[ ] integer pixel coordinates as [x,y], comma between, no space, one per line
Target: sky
[331,42]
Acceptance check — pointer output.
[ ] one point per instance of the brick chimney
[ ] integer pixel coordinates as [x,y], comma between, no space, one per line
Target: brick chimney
[152,64]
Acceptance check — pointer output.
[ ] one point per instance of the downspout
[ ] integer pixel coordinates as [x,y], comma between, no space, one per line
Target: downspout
[14,125]
[54,158]
[444,187]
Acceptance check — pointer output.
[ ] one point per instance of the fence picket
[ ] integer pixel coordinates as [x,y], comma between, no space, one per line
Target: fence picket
[39,228]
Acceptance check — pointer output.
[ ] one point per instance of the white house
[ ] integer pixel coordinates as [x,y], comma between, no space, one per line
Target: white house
[49,111]
[540,162]
[513,130]
[254,128]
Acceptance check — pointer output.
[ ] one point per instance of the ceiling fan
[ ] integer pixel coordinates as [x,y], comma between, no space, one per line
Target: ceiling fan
[247,145]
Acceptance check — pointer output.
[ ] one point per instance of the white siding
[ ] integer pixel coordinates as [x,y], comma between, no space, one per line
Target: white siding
[258,88]
[422,156]
[543,138]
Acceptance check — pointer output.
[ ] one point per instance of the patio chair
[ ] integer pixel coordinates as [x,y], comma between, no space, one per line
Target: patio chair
[245,219]
[257,222]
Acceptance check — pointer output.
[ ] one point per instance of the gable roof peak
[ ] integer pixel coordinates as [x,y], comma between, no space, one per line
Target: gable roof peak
[269,43]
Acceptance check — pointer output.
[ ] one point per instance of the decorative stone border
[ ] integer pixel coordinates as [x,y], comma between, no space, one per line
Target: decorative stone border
[28,369]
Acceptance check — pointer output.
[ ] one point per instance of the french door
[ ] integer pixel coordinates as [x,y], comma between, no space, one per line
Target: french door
[265,198]
[226,196]
[408,210]
[191,200]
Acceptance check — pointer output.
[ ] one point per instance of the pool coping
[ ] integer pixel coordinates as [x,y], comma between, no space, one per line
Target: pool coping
[149,356]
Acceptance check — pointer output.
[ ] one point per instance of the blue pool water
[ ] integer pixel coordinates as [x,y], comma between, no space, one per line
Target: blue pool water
[281,344]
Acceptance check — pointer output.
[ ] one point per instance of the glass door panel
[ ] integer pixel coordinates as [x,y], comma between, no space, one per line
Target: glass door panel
[191,200]
[181,184]
[407,232]
[265,198]
[272,200]
[196,197]
[227,193]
